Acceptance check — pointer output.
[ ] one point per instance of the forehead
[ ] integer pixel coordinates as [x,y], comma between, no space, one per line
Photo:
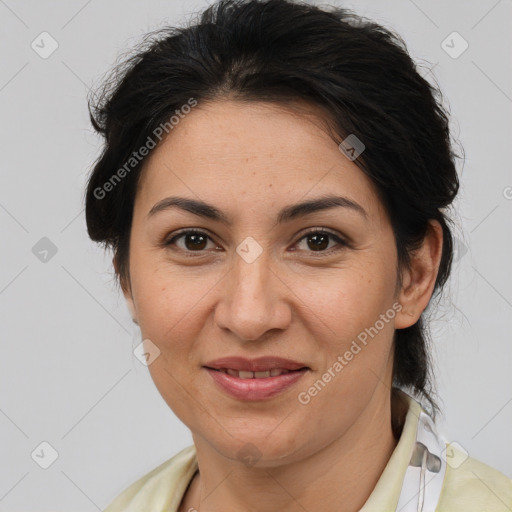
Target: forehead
[239,152]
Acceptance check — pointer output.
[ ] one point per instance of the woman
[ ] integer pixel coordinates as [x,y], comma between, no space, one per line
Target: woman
[274,184]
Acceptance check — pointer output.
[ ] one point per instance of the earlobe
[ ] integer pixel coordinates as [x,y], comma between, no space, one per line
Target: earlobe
[419,279]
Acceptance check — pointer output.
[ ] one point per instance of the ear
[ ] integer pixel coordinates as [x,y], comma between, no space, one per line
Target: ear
[126,289]
[418,281]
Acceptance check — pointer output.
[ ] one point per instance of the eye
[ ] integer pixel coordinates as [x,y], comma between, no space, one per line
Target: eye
[317,240]
[193,240]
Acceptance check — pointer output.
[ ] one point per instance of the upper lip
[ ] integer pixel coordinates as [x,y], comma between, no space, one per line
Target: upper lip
[259,364]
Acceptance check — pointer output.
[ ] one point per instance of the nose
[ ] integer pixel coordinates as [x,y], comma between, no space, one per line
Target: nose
[255,300]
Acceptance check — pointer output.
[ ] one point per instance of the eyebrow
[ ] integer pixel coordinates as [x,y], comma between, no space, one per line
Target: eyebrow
[202,209]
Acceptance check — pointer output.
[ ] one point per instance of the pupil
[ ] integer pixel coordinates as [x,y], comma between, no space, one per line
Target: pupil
[319,241]
[196,241]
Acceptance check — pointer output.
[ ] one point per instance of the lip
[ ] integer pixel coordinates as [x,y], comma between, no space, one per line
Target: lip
[255,389]
[260,364]
[258,388]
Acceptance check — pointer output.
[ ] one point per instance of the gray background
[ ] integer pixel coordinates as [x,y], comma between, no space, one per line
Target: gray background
[68,375]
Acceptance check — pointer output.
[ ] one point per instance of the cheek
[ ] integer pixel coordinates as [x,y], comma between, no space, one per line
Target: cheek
[348,300]
[171,315]
[170,303]
[358,343]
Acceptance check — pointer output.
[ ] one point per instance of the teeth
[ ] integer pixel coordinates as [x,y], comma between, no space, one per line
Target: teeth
[242,374]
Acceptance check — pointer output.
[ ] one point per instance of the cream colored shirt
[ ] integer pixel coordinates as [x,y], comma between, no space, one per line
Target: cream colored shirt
[468,486]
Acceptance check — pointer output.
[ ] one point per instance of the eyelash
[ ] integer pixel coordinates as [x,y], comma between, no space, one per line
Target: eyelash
[312,231]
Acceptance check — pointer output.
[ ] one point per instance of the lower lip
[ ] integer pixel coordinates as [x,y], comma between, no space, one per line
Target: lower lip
[255,389]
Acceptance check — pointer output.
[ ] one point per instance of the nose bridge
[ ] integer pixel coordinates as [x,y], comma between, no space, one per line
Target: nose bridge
[252,303]
[251,276]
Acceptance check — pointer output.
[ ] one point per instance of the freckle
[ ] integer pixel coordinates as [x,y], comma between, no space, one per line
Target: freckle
[270,185]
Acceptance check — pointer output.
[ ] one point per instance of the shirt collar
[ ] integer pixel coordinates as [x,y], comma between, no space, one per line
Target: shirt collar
[386,493]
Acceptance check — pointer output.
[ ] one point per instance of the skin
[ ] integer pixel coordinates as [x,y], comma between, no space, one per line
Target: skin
[251,160]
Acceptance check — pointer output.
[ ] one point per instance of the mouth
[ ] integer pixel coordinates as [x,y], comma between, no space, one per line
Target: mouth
[258,365]
[255,379]
[245,374]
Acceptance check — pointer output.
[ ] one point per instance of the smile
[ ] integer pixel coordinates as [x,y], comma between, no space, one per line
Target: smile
[245,385]
[244,374]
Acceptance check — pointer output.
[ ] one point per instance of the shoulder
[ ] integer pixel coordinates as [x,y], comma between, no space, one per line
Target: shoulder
[471,485]
[163,487]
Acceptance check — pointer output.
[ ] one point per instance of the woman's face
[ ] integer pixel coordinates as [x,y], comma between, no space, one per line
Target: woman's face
[272,281]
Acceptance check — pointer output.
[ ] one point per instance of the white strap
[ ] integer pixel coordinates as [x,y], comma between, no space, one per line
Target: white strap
[424,476]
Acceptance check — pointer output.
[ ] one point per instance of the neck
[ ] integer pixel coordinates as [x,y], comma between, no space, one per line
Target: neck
[339,477]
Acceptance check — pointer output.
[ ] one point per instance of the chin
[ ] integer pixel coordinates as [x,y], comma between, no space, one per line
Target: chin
[261,448]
